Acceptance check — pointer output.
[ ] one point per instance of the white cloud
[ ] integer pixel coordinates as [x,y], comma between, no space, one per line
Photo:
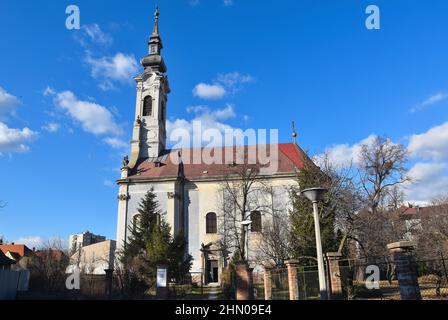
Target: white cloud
[209,119]
[94,32]
[209,91]
[432,100]
[120,67]
[429,180]
[51,127]
[109,184]
[233,80]
[116,143]
[432,144]
[15,140]
[194,2]
[227,3]
[92,35]
[8,103]
[49,91]
[225,83]
[40,242]
[345,154]
[31,242]
[219,114]
[94,118]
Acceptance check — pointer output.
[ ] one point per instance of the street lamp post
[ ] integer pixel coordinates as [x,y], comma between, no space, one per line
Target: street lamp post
[246,224]
[314,195]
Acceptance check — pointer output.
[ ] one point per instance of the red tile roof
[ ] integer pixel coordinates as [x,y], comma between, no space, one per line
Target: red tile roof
[5,261]
[290,158]
[20,249]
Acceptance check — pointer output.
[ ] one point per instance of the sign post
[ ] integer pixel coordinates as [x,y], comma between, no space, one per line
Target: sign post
[162,282]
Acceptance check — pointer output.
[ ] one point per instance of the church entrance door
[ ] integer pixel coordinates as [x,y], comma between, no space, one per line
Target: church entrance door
[212,271]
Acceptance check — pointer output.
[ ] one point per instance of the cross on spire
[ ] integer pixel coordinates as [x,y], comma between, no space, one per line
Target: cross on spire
[155,31]
[154,59]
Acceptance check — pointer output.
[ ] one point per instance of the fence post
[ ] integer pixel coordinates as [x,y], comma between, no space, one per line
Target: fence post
[109,279]
[292,279]
[402,254]
[267,283]
[244,288]
[334,275]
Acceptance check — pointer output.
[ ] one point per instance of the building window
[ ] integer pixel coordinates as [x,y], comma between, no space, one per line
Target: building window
[211,223]
[255,216]
[147,106]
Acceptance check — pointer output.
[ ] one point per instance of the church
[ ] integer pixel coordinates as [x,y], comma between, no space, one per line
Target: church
[190,192]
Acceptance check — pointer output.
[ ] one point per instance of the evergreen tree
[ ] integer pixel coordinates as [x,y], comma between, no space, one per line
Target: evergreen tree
[143,225]
[150,243]
[303,240]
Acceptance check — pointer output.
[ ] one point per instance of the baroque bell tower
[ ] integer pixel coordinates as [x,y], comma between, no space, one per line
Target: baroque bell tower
[149,131]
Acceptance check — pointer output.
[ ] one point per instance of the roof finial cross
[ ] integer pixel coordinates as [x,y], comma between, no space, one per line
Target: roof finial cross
[294,132]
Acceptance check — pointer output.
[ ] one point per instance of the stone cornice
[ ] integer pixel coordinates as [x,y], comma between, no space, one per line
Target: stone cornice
[136,179]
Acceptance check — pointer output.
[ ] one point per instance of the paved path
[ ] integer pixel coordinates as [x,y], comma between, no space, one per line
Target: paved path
[213,294]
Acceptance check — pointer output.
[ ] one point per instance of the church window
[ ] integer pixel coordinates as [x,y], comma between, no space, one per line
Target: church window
[147,106]
[255,216]
[211,223]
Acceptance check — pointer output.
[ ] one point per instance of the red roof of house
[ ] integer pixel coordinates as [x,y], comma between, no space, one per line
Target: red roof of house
[423,211]
[290,158]
[20,249]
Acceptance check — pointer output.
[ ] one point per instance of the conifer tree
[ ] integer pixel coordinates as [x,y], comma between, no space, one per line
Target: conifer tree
[150,243]
[303,241]
[141,230]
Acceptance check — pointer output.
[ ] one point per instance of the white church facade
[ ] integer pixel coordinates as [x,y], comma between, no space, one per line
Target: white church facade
[189,192]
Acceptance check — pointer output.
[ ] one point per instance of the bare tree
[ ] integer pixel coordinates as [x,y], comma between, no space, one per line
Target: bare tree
[382,167]
[48,266]
[274,247]
[344,197]
[432,233]
[128,278]
[242,191]
[381,171]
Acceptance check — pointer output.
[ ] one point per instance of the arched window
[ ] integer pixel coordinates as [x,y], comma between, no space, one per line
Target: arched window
[147,106]
[255,216]
[211,223]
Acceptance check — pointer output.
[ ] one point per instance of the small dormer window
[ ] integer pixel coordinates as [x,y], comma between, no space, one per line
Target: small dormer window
[147,106]
[153,49]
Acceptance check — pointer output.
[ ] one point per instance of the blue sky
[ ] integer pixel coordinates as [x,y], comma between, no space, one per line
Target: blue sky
[67,96]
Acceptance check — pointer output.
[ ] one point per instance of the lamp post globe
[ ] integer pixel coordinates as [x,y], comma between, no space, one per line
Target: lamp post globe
[314,194]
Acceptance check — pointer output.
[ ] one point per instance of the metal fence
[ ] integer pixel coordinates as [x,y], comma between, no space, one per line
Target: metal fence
[359,281]
[280,286]
[433,278]
[308,283]
[258,283]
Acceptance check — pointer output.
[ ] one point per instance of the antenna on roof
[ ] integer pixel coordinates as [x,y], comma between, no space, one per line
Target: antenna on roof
[294,132]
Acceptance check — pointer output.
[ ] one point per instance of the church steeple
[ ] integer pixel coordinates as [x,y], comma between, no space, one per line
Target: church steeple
[154,59]
[155,31]
[149,132]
